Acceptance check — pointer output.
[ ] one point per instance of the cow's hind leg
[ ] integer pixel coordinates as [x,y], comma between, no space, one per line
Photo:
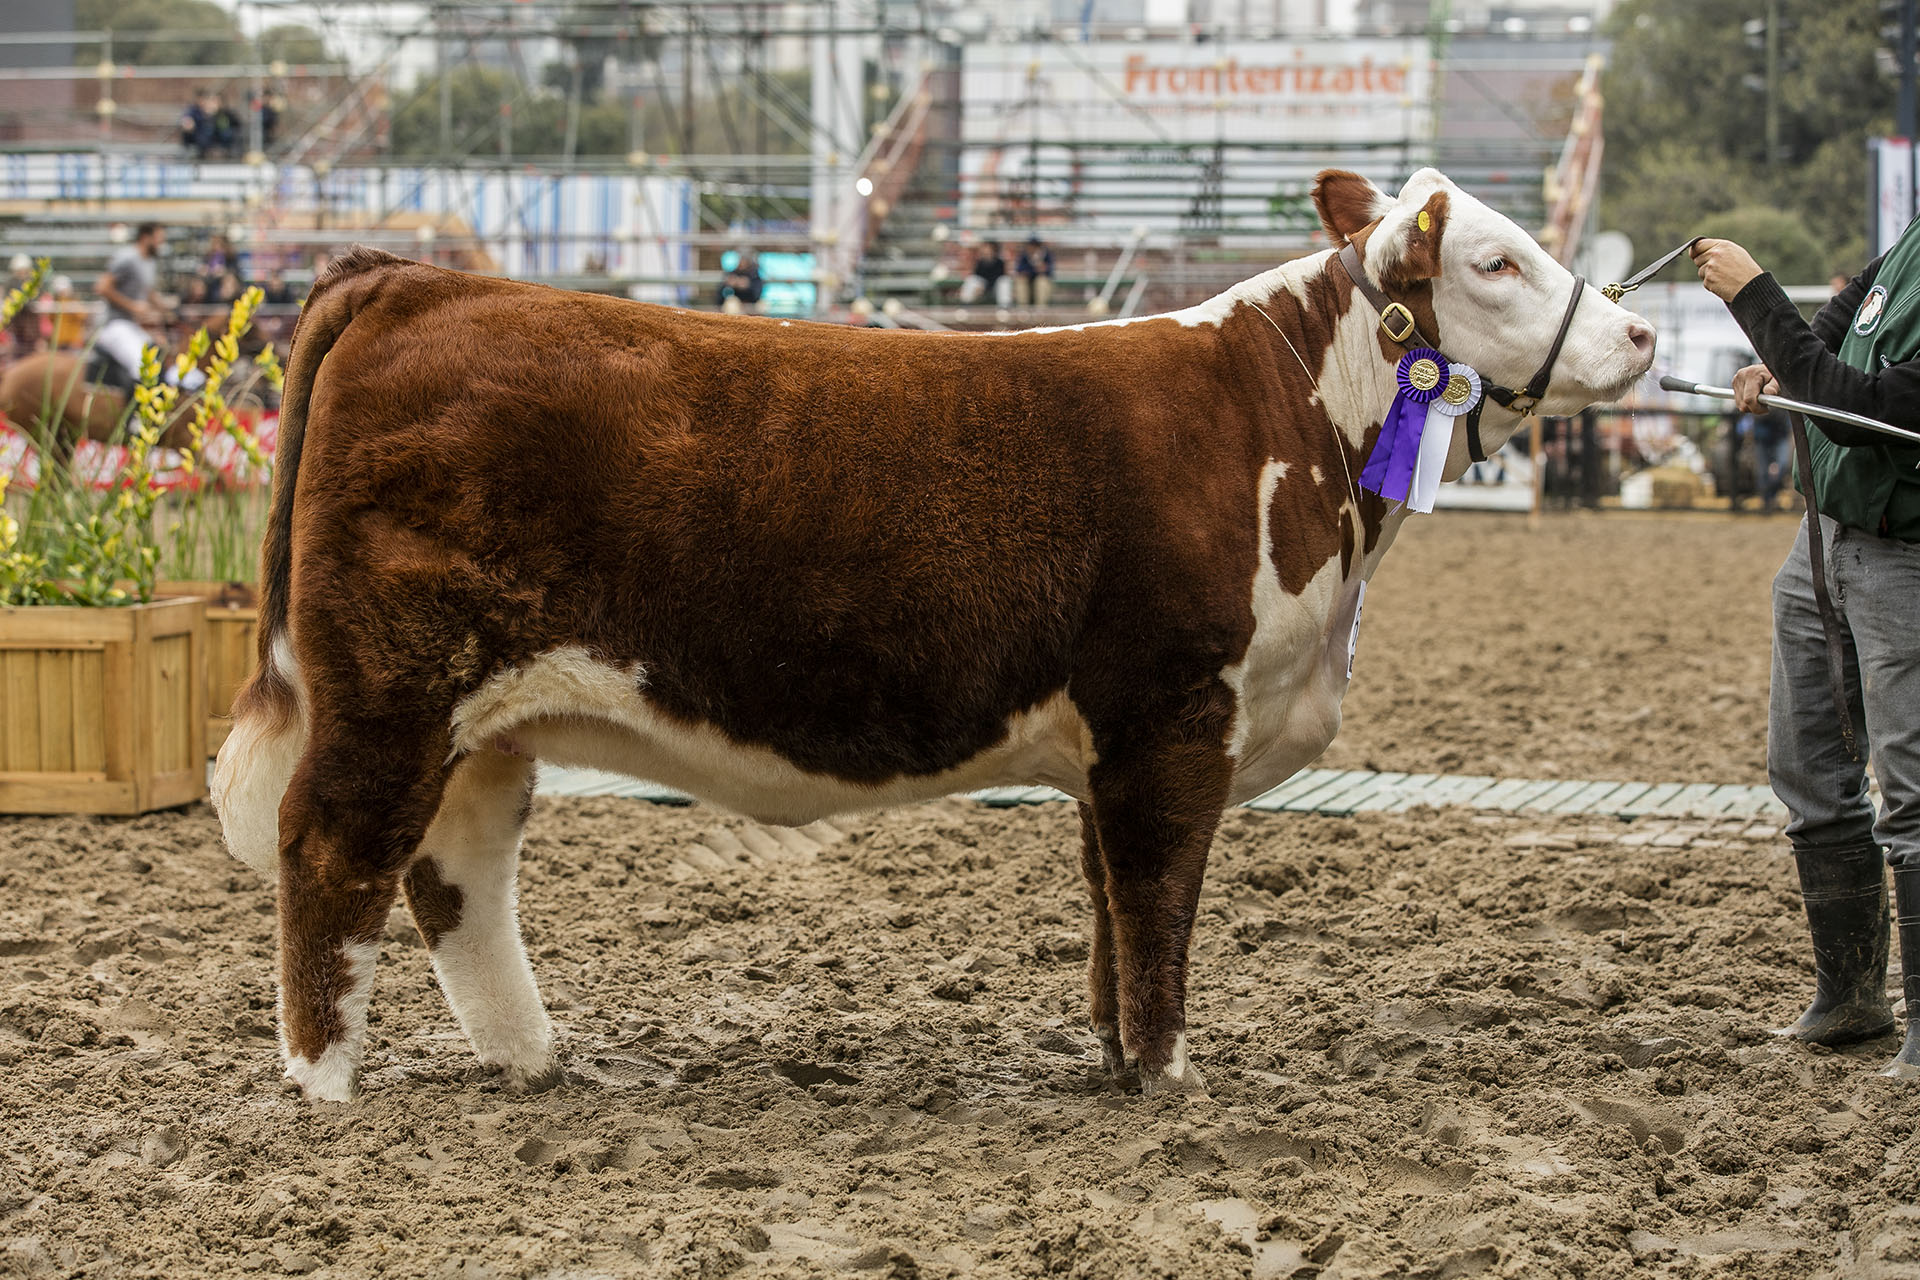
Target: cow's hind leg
[1158,791]
[353,815]
[461,890]
[1102,982]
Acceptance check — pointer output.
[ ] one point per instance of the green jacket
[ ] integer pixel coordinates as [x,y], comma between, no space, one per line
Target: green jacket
[1858,355]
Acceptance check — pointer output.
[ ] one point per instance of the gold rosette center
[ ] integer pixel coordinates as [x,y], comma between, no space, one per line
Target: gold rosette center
[1424,375]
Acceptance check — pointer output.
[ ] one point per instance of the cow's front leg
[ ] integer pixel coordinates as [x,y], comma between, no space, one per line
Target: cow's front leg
[462,894]
[352,817]
[1157,797]
[1103,987]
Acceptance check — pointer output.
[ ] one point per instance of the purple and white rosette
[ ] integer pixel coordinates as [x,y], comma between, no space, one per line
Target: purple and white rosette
[1459,394]
[1422,376]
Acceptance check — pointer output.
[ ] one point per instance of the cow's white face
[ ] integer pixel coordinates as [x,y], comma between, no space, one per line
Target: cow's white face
[1498,297]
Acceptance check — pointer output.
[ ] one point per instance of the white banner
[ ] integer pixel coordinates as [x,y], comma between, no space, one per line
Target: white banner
[1892,164]
[1370,91]
[529,224]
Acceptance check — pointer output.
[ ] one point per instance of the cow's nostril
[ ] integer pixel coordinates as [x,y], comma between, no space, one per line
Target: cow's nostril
[1641,336]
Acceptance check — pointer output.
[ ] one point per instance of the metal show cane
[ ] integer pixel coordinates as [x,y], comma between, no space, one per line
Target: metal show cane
[1681,385]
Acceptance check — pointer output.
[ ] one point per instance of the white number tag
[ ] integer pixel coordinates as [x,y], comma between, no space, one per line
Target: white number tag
[1353,638]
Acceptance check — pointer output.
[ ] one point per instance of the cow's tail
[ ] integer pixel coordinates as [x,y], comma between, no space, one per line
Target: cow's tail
[269,713]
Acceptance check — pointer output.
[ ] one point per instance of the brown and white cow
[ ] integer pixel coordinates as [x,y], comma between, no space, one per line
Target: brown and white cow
[800,569]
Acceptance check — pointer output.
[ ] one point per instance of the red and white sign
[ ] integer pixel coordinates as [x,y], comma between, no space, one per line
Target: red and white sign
[1324,91]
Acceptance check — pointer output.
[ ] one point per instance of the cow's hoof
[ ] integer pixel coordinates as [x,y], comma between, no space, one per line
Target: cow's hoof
[1113,1059]
[334,1077]
[536,1079]
[1154,1084]
[1179,1075]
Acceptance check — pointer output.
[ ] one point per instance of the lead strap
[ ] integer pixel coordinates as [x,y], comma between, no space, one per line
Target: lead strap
[1817,561]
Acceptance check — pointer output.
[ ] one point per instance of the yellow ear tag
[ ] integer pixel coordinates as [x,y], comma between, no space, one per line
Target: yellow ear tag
[1424,221]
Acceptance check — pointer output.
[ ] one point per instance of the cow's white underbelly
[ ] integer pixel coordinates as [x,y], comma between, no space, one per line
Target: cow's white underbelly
[568,708]
[571,709]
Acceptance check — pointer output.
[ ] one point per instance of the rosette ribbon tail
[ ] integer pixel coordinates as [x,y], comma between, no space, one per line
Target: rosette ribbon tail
[1421,375]
[1458,396]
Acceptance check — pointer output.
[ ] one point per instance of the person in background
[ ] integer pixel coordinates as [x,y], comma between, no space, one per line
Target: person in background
[218,257]
[226,128]
[1857,355]
[70,316]
[1772,455]
[24,330]
[1033,274]
[129,288]
[196,124]
[268,106]
[989,275]
[742,283]
[276,290]
[226,287]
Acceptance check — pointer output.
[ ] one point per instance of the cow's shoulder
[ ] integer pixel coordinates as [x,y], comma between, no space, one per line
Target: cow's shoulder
[359,260]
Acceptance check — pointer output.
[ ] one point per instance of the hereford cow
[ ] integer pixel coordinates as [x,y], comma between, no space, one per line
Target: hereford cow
[800,569]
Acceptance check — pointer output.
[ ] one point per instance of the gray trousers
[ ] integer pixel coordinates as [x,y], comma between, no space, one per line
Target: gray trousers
[1875,585]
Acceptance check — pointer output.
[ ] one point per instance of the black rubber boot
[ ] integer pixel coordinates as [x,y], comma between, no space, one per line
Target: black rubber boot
[1906,914]
[1845,891]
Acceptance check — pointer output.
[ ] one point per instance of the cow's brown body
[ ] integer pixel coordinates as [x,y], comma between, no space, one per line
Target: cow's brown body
[793,567]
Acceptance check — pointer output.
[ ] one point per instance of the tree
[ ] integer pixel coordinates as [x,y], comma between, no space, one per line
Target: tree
[294,45]
[1687,94]
[208,35]
[538,119]
[1775,237]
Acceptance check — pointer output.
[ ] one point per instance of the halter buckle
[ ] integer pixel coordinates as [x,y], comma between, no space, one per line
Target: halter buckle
[1395,314]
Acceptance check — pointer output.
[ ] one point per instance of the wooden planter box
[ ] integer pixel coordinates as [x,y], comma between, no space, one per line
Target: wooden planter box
[103,710]
[232,625]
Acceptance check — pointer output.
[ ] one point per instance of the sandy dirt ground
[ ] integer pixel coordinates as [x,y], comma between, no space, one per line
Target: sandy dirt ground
[1601,646]
[1438,1044]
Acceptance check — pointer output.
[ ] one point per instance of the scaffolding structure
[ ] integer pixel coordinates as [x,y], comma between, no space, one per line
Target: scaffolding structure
[628,146]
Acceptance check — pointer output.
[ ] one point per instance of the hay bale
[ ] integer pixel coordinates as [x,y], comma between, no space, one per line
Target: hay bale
[1675,488]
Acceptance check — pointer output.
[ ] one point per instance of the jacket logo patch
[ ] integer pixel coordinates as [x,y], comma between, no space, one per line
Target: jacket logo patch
[1871,308]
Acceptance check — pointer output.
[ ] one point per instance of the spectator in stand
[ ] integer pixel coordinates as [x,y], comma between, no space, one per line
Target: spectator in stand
[226,128]
[25,328]
[989,275]
[276,290]
[226,287]
[219,255]
[70,316]
[743,282]
[1033,274]
[196,124]
[268,106]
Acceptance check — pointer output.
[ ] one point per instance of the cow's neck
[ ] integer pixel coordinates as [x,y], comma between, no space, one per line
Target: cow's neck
[1352,380]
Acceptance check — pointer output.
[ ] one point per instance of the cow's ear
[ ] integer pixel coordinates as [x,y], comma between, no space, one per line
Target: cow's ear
[1411,250]
[1347,202]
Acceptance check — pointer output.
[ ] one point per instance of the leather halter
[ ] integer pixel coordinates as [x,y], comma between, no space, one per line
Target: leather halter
[1398,324]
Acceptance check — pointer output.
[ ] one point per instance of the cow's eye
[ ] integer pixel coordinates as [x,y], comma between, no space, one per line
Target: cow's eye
[1494,266]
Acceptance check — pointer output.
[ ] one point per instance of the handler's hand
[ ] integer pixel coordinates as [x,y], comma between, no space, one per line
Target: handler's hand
[1750,384]
[1725,268]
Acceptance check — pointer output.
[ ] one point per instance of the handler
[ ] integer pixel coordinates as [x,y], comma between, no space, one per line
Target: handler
[1859,355]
